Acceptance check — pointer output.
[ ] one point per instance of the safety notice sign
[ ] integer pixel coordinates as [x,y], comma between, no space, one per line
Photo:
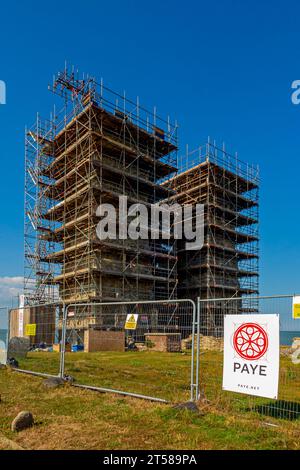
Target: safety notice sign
[251,354]
[296,307]
[30,329]
[131,321]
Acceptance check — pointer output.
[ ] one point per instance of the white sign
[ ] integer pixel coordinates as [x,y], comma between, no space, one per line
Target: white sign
[21,315]
[251,354]
[3,353]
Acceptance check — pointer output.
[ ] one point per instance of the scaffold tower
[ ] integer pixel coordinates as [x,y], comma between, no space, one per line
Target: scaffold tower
[100,146]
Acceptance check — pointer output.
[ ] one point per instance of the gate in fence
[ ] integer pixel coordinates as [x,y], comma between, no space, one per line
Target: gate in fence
[210,315]
[133,348]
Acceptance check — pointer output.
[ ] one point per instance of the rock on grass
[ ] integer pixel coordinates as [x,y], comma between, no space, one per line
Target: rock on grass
[22,421]
[189,405]
[53,382]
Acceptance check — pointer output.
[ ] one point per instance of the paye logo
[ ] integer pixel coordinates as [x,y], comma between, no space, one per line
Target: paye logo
[250,341]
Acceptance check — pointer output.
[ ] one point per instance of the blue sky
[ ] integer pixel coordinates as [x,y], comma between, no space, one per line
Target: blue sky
[221,68]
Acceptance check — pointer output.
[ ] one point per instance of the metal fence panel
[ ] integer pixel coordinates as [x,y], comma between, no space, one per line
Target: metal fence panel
[148,361]
[34,338]
[210,319]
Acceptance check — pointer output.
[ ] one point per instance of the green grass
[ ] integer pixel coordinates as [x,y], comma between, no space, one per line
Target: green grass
[73,418]
[162,375]
[287,406]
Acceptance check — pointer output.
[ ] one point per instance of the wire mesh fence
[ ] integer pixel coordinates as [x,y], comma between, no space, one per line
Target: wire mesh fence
[34,338]
[211,327]
[143,349]
[160,350]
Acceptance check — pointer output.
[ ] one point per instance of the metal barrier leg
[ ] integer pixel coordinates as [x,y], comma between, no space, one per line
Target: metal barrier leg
[192,398]
[63,343]
[198,350]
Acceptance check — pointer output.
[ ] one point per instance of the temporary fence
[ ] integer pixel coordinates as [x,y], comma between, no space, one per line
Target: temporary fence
[161,350]
[134,348]
[34,331]
[144,349]
[211,314]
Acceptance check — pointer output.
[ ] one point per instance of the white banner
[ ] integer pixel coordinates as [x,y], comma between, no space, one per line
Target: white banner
[21,315]
[3,353]
[251,354]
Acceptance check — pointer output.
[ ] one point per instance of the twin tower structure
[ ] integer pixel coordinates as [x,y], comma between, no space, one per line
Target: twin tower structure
[102,146]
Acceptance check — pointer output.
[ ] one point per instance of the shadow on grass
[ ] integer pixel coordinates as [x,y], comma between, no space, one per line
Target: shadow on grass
[280,409]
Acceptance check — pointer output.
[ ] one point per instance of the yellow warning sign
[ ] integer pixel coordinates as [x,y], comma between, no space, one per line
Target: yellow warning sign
[30,329]
[296,311]
[131,321]
[296,307]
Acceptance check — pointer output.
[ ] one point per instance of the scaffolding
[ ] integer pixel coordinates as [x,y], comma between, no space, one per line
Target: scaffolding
[39,271]
[227,265]
[99,147]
